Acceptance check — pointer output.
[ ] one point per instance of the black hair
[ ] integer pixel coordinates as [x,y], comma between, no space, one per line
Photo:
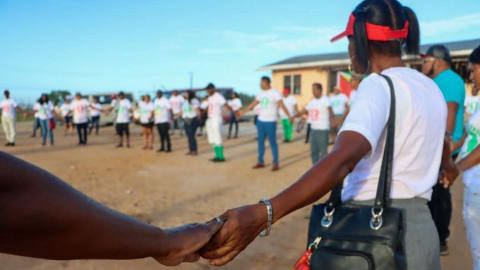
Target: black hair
[235,93]
[160,92]
[474,57]
[318,85]
[387,13]
[41,101]
[191,96]
[267,79]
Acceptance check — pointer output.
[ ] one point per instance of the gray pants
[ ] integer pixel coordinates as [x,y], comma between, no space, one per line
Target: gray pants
[421,238]
[318,144]
[9,127]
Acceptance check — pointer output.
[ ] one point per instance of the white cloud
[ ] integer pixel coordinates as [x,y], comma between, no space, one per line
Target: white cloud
[450,25]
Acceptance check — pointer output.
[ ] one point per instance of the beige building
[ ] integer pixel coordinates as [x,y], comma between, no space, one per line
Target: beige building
[300,72]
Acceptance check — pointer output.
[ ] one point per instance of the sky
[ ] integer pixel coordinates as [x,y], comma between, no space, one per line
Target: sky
[96,46]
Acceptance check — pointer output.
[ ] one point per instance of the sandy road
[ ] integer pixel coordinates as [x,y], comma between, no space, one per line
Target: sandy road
[173,189]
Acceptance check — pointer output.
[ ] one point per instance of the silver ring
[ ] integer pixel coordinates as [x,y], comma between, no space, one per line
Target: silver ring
[218,219]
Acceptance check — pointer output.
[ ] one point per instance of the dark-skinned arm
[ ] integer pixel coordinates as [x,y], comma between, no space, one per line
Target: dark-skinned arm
[43,217]
[470,161]
[449,169]
[250,107]
[244,224]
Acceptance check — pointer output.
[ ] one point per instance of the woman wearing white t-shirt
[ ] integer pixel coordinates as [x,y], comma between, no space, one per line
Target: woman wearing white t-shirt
[147,115]
[95,110]
[320,116]
[470,165]
[236,104]
[191,119]
[67,116]
[46,112]
[377,31]
[270,101]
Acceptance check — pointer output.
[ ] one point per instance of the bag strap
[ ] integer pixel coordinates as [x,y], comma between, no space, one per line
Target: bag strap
[384,184]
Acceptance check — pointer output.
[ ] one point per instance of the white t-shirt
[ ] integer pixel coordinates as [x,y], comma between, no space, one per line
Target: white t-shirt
[95,109]
[353,95]
[65,109]
[339,103]
[44,111]
[471,104]
[80,110]
[421,117]
[235,104]
[290,103]
[123,111]
[146,110]
[177,102]
[269,105]
[318,113]
[8,107]
[162,105]
[471,176]
[215,105]
[188,109]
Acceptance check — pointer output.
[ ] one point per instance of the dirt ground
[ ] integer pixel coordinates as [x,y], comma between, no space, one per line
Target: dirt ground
[172,189]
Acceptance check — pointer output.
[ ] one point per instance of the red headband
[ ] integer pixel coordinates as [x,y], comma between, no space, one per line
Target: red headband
[374,32]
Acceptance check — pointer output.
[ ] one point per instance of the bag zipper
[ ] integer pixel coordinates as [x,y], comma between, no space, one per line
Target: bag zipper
[349,253]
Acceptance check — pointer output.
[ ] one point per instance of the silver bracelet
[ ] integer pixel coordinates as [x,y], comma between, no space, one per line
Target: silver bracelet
[270,218]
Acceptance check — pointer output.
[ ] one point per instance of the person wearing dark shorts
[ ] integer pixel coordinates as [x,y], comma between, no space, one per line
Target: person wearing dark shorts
[67,116]
[146,120]
[124,108]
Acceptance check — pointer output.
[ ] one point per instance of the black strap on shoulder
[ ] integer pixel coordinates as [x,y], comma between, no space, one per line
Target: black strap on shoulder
[384,184]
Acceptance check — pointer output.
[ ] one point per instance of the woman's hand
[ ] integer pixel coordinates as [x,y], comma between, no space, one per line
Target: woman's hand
[183,243]
[241,227]
[448,176]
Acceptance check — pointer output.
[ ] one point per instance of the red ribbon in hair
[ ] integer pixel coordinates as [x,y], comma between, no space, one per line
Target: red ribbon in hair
[375,32]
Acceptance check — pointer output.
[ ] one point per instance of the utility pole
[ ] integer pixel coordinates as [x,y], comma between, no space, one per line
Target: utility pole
[191,80]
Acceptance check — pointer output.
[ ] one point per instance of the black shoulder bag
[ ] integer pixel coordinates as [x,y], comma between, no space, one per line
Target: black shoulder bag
[342,236]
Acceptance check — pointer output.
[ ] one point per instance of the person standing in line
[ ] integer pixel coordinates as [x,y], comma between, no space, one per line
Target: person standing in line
[95,110]
[236,104]
[321,118]
[340,110]
[216,103]
[176,102]
[204,115]
[270,100]
[9,118]
[291,103]
[191,116]
[472,102]
[147,115]
[36,125]
[437,65]
[67,117]
[79,110]
[162,120]
[470,165]
[123,111]
[45,109]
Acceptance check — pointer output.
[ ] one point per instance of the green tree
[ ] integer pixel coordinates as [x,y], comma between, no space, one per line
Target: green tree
[56,96]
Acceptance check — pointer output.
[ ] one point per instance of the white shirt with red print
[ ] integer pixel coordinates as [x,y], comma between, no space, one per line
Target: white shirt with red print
[319,114]
[8,107]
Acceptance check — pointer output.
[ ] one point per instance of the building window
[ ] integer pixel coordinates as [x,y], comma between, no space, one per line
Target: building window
[287,82]
[297,86]
[293,83]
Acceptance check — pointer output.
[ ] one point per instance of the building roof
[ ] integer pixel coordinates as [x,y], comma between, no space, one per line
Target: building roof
[458,48]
